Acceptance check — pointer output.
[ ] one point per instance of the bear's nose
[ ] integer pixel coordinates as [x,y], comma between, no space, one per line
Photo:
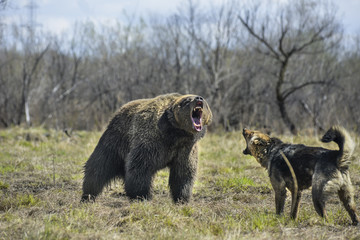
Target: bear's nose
[199,99]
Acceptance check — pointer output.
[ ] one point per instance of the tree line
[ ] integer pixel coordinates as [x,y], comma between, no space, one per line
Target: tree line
[284,66]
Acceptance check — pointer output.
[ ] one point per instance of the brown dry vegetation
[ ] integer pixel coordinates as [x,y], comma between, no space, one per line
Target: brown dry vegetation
[40,188]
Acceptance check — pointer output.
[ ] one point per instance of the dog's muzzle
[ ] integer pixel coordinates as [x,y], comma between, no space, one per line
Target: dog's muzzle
[246,151]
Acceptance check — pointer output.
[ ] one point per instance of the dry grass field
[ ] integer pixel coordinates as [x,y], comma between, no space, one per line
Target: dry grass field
[40,189]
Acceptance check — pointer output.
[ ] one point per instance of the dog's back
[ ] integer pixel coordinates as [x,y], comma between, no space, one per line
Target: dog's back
[303,160]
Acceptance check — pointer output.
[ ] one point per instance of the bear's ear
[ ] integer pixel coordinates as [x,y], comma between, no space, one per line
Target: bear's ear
[166,120]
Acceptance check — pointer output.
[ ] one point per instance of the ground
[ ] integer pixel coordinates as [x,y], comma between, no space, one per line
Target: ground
[40,190]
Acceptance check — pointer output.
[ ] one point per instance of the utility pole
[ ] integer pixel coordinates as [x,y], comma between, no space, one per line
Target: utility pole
[3,4]
[31,24]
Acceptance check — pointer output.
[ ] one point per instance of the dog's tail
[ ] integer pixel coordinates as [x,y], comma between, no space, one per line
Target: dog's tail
[346,144]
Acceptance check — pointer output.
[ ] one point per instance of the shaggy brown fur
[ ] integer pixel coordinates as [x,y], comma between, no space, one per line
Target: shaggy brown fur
[324,170]
[145,136]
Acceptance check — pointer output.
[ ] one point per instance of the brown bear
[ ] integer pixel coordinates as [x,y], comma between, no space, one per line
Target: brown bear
[147,135]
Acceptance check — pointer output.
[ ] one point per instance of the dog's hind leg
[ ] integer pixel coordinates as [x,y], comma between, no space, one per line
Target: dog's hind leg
[346,195]
[319,194]
[326,180]
[319,202]
[295,203]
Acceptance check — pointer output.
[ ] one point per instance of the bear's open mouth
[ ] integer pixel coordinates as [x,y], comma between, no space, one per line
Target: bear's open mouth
[196,116]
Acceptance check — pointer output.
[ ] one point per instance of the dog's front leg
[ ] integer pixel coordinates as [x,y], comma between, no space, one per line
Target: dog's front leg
[280,195]
[295,203]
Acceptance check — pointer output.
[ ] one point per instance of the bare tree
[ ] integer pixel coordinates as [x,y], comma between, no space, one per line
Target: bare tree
[174,54]
[301,27]
[30,63]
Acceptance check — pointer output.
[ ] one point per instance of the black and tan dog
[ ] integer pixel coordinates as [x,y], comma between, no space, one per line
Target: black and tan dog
[324,170]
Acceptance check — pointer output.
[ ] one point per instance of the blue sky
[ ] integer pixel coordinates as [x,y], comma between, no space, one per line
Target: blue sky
[56,16]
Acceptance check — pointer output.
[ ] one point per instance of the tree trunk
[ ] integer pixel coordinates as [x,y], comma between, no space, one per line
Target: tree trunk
[285,117]
[281,99]
[27,113]
[22,106]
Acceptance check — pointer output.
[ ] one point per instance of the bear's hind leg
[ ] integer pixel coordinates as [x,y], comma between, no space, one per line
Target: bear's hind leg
[102,167]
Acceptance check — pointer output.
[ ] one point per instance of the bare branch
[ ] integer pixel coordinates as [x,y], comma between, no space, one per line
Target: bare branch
[284,30]
[290,91]
[261,39]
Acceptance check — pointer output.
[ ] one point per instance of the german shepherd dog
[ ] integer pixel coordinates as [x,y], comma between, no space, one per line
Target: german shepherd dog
[326,171]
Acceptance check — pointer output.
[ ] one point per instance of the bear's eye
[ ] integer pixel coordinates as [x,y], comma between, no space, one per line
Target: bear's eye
[185,102]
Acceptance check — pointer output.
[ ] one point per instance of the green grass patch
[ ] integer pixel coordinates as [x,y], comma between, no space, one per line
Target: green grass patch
[262,220]
[7,168]
[187,211]
[5,156]
[19,200]
[236,184]
[26,200]
[4,185]
[25,143]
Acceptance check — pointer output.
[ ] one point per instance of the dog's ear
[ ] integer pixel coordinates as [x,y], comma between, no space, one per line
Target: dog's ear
[260,142]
